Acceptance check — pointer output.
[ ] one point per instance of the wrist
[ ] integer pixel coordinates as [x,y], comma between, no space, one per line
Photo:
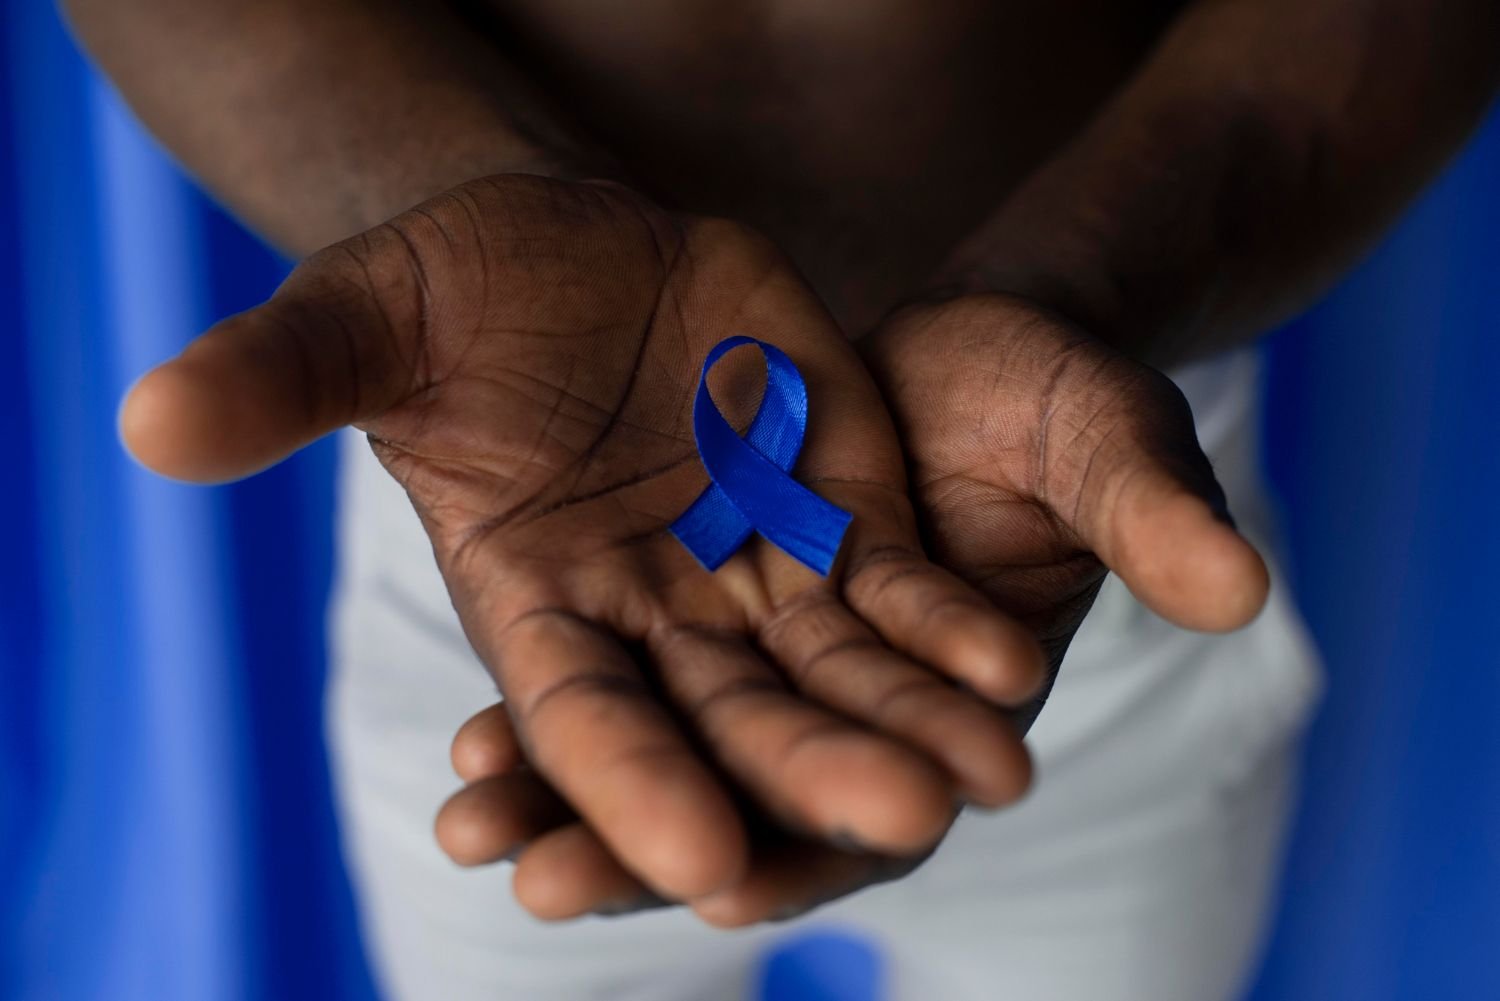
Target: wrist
[393,184]
[962,326]
[1074,286]
[1009,258]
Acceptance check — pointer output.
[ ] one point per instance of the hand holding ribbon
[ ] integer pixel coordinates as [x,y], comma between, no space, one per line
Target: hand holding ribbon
[752,489]
[514,351]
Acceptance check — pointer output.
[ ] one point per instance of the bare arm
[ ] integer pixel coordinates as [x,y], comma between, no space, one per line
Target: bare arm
[489,316]
[410,100]
[1250,159]
[1263,145]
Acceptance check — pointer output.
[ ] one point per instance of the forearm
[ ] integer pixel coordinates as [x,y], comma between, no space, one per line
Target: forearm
[1253,157]
[314,121]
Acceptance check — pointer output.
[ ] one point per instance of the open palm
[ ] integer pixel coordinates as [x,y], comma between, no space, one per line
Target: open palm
[1039,458]
[523,354]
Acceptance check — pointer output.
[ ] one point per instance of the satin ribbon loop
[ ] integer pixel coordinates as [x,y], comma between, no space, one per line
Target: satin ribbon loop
[752,489]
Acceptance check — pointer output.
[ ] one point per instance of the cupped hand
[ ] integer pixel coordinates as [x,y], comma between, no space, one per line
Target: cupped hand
[1041,458]
[523,354]
[564,869]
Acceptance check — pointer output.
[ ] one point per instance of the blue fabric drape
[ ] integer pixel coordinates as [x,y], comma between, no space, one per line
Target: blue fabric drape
[1384,442]
[165,825]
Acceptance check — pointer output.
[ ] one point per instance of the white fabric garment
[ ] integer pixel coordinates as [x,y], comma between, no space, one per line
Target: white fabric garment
[1138,869]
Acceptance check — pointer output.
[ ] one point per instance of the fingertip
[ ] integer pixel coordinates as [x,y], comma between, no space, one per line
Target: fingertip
[485,745]
[569,873]
[689,861]
[938,619]
[973,742]
[545,892]
[891,800]
[780,889]
[678,832]
[149,422]
[992,766]
[179,425]
[466,832]
[999,658]
[1235,583]
[1002,778]
[1193,569]
[549,889]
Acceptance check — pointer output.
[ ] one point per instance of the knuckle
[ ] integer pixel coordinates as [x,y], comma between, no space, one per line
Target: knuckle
[731,693]
[583,690]
[802,618]
[872,567]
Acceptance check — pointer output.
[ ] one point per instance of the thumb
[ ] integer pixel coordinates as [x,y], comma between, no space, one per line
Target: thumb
[332,346]
[1145,500]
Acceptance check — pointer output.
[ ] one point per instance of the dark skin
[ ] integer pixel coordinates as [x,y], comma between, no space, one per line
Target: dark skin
[518,351]
[1017,251]
[1028,519]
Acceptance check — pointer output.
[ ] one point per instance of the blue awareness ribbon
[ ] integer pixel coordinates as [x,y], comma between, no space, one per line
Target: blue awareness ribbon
[752,489]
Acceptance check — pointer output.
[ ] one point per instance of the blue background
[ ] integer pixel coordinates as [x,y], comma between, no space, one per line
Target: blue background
[165,825]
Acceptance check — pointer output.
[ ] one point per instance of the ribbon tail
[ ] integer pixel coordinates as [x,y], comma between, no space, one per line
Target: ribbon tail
[796,520]
[814,540]
[712,528]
